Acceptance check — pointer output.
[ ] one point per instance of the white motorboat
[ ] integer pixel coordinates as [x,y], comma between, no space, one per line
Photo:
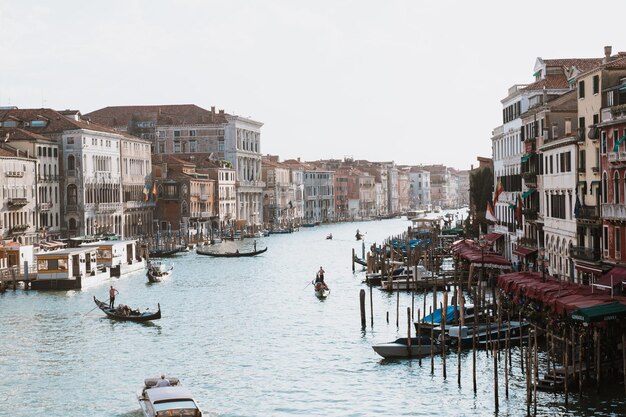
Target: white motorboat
[399,348]
[171,400]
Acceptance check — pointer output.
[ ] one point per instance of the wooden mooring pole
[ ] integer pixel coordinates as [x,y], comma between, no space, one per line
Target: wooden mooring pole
[362,307]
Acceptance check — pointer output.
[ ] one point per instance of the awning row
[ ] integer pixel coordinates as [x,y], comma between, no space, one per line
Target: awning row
[559,296]
[523,251]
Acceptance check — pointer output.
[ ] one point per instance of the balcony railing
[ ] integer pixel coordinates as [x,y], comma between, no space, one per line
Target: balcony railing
[204,197]
[585,254]
[530,177]
[588,213]
[139,204]
[15,174]
[17,202]
[18,228]
[45,206]
[109,207]
[530,214]
[617,156]
[614,211]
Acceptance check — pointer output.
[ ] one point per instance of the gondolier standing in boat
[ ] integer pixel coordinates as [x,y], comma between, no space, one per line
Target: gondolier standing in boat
[112,293]
[320,277]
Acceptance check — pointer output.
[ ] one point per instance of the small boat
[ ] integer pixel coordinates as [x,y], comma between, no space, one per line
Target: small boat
[399,348]
[308,224]
[125,313]
[170,400]
[157,271]
[329,236]
[321,290]
[236,254]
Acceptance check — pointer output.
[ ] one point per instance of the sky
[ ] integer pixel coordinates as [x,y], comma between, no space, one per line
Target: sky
[413,82]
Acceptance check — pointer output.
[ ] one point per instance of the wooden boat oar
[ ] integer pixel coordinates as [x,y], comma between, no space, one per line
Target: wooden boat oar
[307,285]
[90,311]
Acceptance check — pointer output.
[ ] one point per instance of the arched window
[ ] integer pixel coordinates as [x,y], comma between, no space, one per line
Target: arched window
[616,198]
[72,224]
[72,194]
[71,162]
[605,188]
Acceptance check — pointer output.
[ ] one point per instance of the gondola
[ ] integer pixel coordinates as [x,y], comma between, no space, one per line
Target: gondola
[130,315]
[321,290]
[230,254]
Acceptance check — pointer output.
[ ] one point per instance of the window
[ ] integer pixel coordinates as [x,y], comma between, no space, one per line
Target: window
[616,199]
[161,147]
[605,239]
[177,133]
[603,142]
[176,146]
[220,145]
[557,205]
[581,89]
[551,164]
[609,98]
[581,160]
[192,133]
[605,188]
[193,146]
[71,162]
[596,84]
[72,195]
[69,141]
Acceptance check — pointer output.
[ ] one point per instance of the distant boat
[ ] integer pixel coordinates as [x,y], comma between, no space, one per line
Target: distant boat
[236,254]
[308,224]
[399,348]
[329,236]
[127,314]
[486,333]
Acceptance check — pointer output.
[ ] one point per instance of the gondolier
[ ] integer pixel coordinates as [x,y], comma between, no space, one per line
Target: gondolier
[112,293]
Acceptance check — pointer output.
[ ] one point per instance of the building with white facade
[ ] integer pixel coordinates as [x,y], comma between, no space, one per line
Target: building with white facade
[419,189]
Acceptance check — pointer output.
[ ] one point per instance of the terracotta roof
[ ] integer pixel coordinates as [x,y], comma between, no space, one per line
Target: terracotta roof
[175,114]
[20,134]
[56,122]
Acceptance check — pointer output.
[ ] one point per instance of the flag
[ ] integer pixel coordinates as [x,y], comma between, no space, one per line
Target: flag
[154,191]
[577,206]
[520,206]
[496,194]
[489,214]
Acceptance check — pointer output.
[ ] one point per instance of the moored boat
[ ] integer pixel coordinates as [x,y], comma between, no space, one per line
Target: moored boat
[399,348]
[169,400]
[487,333]
[125,313]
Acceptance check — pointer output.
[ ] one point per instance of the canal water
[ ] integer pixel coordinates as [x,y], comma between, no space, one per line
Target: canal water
[248,337]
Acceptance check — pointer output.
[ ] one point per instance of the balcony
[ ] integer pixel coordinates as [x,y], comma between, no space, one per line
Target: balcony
[18,228]
[617,156]
[530,178]
[17,202]
[618,112]
[109,207]
[614,211]
[530,214]
[14,174]
[45,206]
[71,172]
[204,197]
[585,254]
[139,204]
[588,213]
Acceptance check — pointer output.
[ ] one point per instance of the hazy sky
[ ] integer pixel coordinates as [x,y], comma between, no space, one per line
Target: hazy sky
[409,81]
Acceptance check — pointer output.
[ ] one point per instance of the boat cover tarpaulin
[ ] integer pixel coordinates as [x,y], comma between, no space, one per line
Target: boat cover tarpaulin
[602,312]
[615,275]
[558,296]
[435,317]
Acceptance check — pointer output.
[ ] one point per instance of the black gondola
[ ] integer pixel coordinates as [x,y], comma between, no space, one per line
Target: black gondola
[230,254]
[157,271]
[129,315]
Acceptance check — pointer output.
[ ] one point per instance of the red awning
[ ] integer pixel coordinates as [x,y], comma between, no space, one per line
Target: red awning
[491,238]
[617,274]
[523,252]
[589,269]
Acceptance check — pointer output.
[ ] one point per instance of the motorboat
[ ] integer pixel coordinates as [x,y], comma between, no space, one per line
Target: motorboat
[487,333]
[171,400]
[158,270]
[399,348]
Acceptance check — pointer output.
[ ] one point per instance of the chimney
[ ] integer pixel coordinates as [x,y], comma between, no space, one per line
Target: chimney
[607,54]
